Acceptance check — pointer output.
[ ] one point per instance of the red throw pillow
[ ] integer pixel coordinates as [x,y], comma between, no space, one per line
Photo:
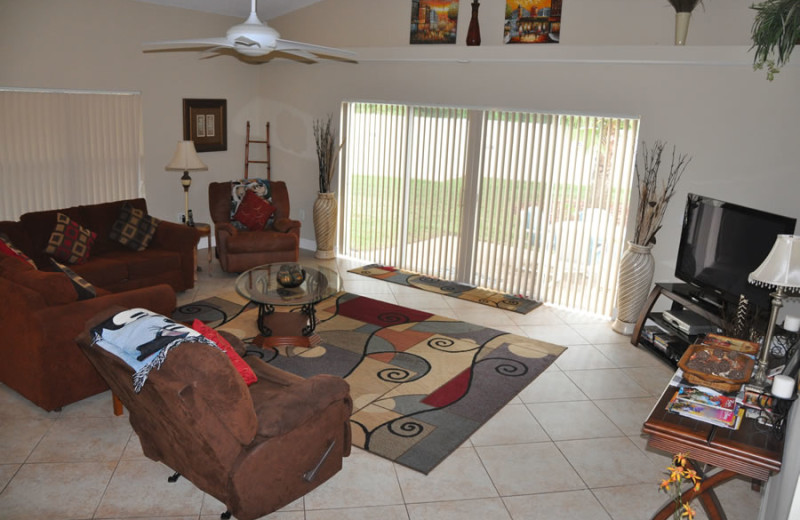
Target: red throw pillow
[243,368]
[254,212]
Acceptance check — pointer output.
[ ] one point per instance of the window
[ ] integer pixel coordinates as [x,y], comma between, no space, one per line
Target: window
[519,202]
[61,149]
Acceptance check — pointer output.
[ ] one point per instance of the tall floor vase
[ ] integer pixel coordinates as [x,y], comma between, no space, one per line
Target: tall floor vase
[635,277]
[325,225]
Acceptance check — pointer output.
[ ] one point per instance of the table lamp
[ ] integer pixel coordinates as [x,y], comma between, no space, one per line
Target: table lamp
[779,271]
[186,159]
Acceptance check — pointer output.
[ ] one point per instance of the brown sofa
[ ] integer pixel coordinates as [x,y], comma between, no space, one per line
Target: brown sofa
[40,316]
[256,448]
[239,250]
[169,258]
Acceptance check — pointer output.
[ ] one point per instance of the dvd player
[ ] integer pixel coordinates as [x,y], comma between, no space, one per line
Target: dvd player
[689,323]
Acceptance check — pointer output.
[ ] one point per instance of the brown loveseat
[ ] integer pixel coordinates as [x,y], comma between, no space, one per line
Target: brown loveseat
[40,316]
[256,448]
[169,258]
[239,250]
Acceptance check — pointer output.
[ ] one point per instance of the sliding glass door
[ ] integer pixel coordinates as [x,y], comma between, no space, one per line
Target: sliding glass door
[524,203]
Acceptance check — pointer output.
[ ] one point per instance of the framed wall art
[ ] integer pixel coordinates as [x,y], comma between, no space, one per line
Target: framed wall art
[532,21]
[205,123]
[434,21]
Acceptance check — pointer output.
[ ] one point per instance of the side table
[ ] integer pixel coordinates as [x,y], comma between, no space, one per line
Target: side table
[752,451]
[205,231]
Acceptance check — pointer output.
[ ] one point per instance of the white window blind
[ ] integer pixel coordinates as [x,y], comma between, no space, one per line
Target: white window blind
[62,149]
[523,203]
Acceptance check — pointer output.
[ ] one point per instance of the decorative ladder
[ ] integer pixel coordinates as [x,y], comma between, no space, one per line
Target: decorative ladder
[247,159]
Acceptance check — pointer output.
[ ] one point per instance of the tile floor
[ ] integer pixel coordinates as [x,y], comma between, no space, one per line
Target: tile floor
[567,448]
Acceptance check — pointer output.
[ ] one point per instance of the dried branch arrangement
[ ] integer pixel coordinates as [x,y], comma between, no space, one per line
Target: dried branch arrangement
[326,154]
[654,196]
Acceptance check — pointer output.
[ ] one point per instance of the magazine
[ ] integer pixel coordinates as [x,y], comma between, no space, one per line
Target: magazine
[708,414]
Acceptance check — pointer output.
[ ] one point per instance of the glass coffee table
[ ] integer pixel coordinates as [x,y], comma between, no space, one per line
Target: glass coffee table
[260,285]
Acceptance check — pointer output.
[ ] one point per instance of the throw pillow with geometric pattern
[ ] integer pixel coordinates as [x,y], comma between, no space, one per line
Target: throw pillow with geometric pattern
[260,187]
[134,228]
[70,242]
[254,212]
[84,289]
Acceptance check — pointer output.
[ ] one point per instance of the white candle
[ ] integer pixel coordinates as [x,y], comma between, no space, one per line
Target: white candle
[791,323]
[783,387]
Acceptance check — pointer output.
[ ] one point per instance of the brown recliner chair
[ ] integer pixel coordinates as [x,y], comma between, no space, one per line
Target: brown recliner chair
[255,449]
[239,250]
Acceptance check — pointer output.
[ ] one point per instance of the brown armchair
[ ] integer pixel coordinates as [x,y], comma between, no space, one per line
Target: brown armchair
[255,449]
[239,250]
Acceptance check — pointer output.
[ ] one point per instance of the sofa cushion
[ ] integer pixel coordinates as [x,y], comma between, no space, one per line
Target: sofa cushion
[243,368]
[8,249]
[54,288]
[253,212]
[134,228]
[69,241]
[84,289]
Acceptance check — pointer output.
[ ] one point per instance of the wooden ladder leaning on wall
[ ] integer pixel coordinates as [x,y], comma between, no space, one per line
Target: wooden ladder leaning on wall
[248,161]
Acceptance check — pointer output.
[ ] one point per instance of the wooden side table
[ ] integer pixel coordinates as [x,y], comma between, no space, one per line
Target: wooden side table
[752,451]
[205,231]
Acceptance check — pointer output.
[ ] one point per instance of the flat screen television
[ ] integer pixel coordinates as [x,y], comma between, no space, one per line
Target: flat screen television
[722,243]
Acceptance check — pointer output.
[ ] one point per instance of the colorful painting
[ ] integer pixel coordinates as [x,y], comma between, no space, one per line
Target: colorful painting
[434,21]
[532,21]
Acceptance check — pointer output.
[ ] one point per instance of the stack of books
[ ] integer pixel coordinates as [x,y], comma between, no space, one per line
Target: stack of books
[706,405]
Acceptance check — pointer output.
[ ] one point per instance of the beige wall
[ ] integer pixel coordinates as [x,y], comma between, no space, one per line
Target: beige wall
[616,57]
[96,45]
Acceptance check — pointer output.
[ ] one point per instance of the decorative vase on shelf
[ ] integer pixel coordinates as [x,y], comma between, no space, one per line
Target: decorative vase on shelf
[325,225]
[682,27]
[474,31]
[635,277]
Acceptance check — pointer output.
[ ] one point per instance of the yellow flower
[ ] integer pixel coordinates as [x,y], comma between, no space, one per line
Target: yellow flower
[692,475]
[675,473]
[664,485]
[680,459]
[688,512]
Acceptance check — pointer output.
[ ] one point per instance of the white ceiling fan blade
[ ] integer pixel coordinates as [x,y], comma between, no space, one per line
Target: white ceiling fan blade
[289,46]
[301,54]
[200,42]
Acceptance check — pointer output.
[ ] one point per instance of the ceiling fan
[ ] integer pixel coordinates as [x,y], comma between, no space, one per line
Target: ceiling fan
[255,38]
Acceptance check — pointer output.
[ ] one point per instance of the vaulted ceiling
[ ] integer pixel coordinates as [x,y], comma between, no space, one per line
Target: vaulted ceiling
[267,9]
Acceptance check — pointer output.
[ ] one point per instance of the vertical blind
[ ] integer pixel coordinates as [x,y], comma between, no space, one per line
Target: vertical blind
[519,202]
[62,149]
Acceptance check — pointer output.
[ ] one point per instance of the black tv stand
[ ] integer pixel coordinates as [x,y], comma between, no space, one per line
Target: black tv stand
[683,296]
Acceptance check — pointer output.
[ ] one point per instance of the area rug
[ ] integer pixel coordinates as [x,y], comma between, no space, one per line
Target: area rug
[462,291]
[421,384]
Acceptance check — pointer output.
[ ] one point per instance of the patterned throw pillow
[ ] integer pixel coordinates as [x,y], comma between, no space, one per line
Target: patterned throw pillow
[253,212]
[134,228]
[84,289]
[8,249]
[260,187]
[239,364]
[70,242]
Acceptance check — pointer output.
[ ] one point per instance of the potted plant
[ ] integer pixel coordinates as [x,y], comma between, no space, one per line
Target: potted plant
[325,207]
[775,32]
[637,265]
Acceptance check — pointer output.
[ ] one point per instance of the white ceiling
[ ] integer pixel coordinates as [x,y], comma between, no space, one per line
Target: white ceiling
[267,9]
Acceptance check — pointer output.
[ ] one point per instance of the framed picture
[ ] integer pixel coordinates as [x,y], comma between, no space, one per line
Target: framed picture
[434,21]
[205,123]
[532,21]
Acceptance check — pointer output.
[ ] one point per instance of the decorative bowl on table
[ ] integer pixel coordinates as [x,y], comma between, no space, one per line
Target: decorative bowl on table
[290,275]
[717,367]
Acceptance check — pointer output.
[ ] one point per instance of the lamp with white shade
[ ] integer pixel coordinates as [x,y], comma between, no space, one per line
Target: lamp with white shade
[186,159]
[779,271]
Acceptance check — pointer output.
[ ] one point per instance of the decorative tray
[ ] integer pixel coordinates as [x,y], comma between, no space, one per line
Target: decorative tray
[719,367]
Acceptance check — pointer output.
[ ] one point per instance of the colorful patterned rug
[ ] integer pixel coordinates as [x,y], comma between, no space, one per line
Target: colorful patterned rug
[421,384]
[463,291]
